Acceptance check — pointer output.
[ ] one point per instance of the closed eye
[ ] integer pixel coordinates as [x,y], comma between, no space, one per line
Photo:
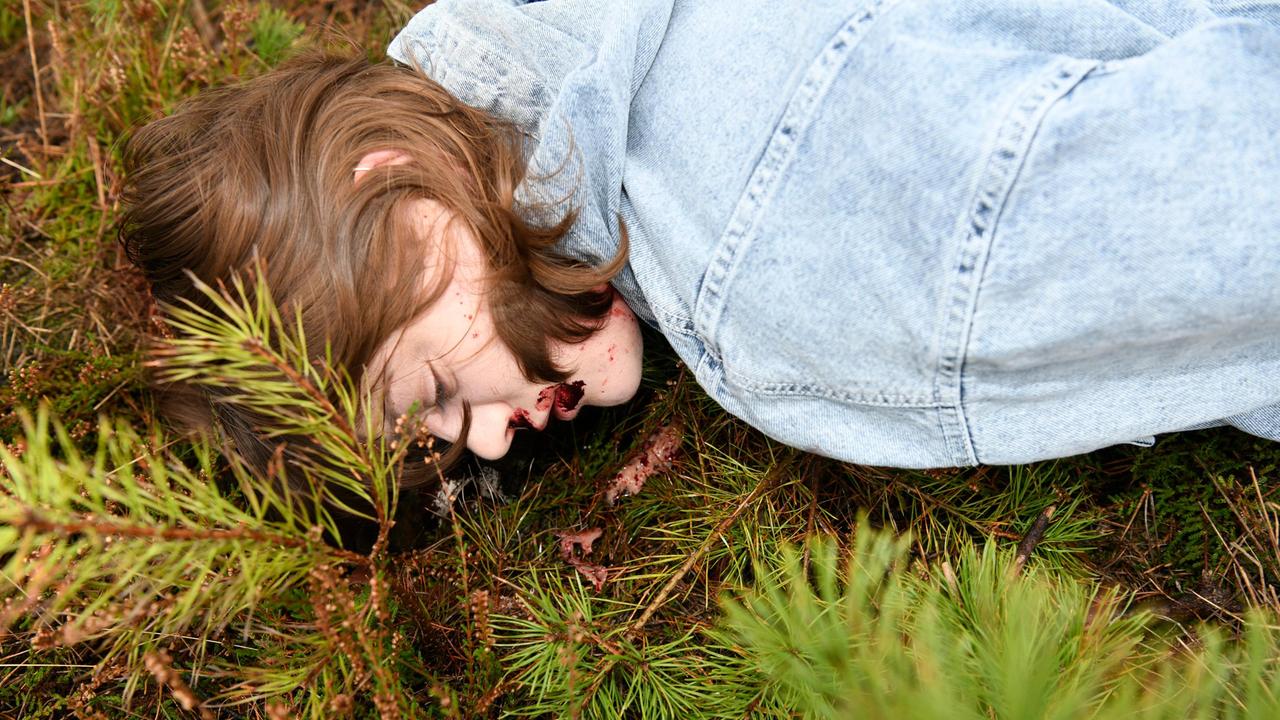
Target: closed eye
[442,391]
[439,392]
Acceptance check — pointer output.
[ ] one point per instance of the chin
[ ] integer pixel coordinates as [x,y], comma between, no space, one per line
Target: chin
[624,391]
[615,383]
[622,386]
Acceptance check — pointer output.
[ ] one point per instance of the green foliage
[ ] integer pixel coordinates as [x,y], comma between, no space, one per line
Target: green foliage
[273,34]
[9,113]
[144,572]
[953,509]
[1192,484]
[12,26]
[576,655]
[135,546]
[71,383]
[243,345]
[864,636]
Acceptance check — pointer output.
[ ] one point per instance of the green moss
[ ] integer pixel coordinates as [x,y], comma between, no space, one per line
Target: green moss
[1178,497]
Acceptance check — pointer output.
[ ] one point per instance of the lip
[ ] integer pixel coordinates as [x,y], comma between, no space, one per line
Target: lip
[568,395]
[565,415]
[563,402]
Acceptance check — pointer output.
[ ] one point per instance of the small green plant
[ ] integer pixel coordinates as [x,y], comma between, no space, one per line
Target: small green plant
[12,26]
[867,635]
[273,34]
[135,545]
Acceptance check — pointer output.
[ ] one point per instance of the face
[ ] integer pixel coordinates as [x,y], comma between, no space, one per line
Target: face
[451,353]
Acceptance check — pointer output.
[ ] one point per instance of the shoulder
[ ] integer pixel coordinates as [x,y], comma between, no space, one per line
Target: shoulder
[512,57]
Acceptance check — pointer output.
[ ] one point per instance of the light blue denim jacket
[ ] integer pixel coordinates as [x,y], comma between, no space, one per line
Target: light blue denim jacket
[917,232]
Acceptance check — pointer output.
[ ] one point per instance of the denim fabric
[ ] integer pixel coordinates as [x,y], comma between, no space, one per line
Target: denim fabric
[915,233]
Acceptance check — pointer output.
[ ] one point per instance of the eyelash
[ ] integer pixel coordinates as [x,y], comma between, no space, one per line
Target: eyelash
[443,392]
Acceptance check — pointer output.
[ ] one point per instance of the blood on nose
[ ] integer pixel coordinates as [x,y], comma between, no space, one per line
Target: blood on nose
[546,397]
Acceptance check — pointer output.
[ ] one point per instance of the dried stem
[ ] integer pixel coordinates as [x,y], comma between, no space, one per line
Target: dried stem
[200,18]
[35,74]
[765,483]
[29,519]
[1033,538]
[160,665]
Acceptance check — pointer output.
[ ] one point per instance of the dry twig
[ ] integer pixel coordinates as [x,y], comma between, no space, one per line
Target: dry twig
[1033,538]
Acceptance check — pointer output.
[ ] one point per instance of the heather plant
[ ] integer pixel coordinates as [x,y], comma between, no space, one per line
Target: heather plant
[151,574]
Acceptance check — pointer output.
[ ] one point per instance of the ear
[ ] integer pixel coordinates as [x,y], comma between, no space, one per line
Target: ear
[376,158]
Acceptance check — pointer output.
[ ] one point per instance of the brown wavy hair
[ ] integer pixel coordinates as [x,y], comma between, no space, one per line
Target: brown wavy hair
[264,169]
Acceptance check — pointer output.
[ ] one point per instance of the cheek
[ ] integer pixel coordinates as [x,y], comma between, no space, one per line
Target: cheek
[488,371]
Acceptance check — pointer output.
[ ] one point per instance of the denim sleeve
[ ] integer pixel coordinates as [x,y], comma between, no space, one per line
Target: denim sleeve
[1267,11]
[1174,17]
[565,72]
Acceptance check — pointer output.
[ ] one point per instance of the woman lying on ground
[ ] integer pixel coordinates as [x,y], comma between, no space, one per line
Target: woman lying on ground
[914,233]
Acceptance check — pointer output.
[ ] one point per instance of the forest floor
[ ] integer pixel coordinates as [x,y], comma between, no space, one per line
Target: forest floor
[1186,530]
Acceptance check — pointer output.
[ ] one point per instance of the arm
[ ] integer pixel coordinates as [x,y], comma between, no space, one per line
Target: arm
[1174,17]
[1267,11]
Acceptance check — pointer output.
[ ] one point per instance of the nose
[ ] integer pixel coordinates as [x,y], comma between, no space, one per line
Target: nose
[488,437]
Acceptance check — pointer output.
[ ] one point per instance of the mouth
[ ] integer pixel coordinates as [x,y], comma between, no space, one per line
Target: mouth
[568,395]
[564,415]
[560,400]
